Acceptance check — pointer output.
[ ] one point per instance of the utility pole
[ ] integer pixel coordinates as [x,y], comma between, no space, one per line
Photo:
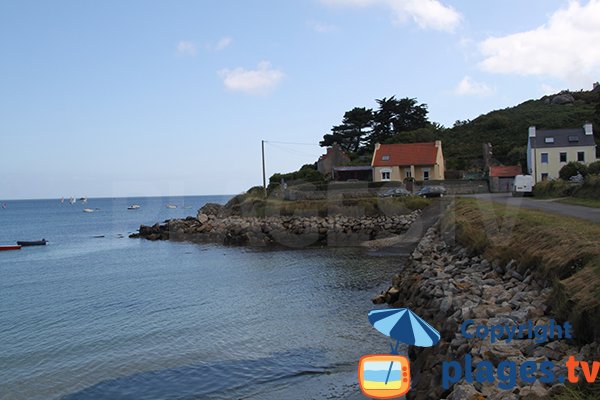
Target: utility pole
[262,143]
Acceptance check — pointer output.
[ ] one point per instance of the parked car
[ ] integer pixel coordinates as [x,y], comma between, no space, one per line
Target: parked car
[432,191]
[395,192]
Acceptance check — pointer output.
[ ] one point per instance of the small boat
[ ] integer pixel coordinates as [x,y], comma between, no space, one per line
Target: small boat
[88,210]
[72,200]
[4,205]
[32,243]
[171,206]
[134,207]
[83,200]
[62,200]
[187,207]
[10,247]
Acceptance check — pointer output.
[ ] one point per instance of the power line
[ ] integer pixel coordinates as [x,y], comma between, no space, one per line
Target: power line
[294,143]
[292,151]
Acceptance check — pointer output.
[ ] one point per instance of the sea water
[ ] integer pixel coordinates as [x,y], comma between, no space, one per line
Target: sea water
[97,315]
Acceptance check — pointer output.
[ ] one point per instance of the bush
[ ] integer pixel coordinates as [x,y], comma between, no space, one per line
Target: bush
[590,188]
[572,169]
[307,173]
[594,168]
[553,188]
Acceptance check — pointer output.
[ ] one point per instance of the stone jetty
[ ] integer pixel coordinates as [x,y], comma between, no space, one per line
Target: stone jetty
[212,225]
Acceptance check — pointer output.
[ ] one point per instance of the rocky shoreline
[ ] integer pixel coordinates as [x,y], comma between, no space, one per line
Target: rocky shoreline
[212,227]
[446,286]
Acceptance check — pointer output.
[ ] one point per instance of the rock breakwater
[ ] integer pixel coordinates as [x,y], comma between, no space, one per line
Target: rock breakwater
[277,230]
[447,286]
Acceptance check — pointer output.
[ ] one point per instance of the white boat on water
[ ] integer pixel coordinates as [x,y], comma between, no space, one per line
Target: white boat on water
[73,200]
[134,207]
[88,210]
[83,200]
[171,206]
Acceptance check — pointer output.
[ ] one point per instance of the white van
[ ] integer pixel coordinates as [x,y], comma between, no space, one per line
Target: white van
[523,185]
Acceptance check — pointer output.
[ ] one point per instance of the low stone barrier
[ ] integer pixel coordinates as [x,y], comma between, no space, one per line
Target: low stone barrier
[278,230]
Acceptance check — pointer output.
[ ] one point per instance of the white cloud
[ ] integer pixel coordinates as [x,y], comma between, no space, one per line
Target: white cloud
[321,27]
[186,48]
[469,87]
[566,47]
[425,13]
[223,43]
[254,81]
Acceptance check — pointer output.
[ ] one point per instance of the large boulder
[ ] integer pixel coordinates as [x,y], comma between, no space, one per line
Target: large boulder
[563,98]
[210,209]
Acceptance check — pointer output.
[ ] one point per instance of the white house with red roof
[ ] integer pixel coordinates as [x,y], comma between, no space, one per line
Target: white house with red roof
[396,162]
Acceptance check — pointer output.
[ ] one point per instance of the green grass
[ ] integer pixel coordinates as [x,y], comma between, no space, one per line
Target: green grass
[594,203]
[564,251]
[251,204]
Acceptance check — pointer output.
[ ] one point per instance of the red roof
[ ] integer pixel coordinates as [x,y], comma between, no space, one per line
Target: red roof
[506,171]
[405,154]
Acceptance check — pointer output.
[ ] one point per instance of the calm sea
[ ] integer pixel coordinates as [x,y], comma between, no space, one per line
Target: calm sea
[96,315]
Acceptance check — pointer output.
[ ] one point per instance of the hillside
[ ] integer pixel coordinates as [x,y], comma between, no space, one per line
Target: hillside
[507,129]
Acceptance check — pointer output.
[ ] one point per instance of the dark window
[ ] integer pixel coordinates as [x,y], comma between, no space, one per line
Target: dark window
[573,139]
[426,175]
[385,175]
[580,156]
[544,177]
[544,158]
[563,157]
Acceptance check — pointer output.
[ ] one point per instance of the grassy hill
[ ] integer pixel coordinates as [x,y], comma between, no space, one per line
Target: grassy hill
[507,129]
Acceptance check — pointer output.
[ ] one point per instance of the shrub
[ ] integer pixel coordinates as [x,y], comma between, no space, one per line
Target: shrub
[572,169]
[553,188]
[590,188]
[594,168]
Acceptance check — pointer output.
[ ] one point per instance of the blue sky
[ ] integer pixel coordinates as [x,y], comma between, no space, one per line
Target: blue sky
[123,98]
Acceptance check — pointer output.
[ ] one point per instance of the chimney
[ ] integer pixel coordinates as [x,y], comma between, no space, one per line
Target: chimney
[532,131]
[588,129]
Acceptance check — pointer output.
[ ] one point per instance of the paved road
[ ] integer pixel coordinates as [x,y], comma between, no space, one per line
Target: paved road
[587,213]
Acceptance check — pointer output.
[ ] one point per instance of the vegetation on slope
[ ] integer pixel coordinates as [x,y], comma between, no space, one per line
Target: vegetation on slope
[563,250]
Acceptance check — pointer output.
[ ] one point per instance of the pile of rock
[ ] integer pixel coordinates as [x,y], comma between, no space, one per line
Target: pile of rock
[282,230]
[446,286]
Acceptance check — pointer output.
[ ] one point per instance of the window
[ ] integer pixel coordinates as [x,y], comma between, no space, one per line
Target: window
[580,156]
[563,157]
[573,139]
[544,177]
[385,158]
[549,139]
[386,175]
[544,158]
[426,174]
[407,173]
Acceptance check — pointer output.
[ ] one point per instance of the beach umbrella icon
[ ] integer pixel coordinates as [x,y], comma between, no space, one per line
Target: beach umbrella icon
[404,326]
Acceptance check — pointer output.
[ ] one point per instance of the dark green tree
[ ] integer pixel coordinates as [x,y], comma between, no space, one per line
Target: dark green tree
[352,133]
[396,116]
